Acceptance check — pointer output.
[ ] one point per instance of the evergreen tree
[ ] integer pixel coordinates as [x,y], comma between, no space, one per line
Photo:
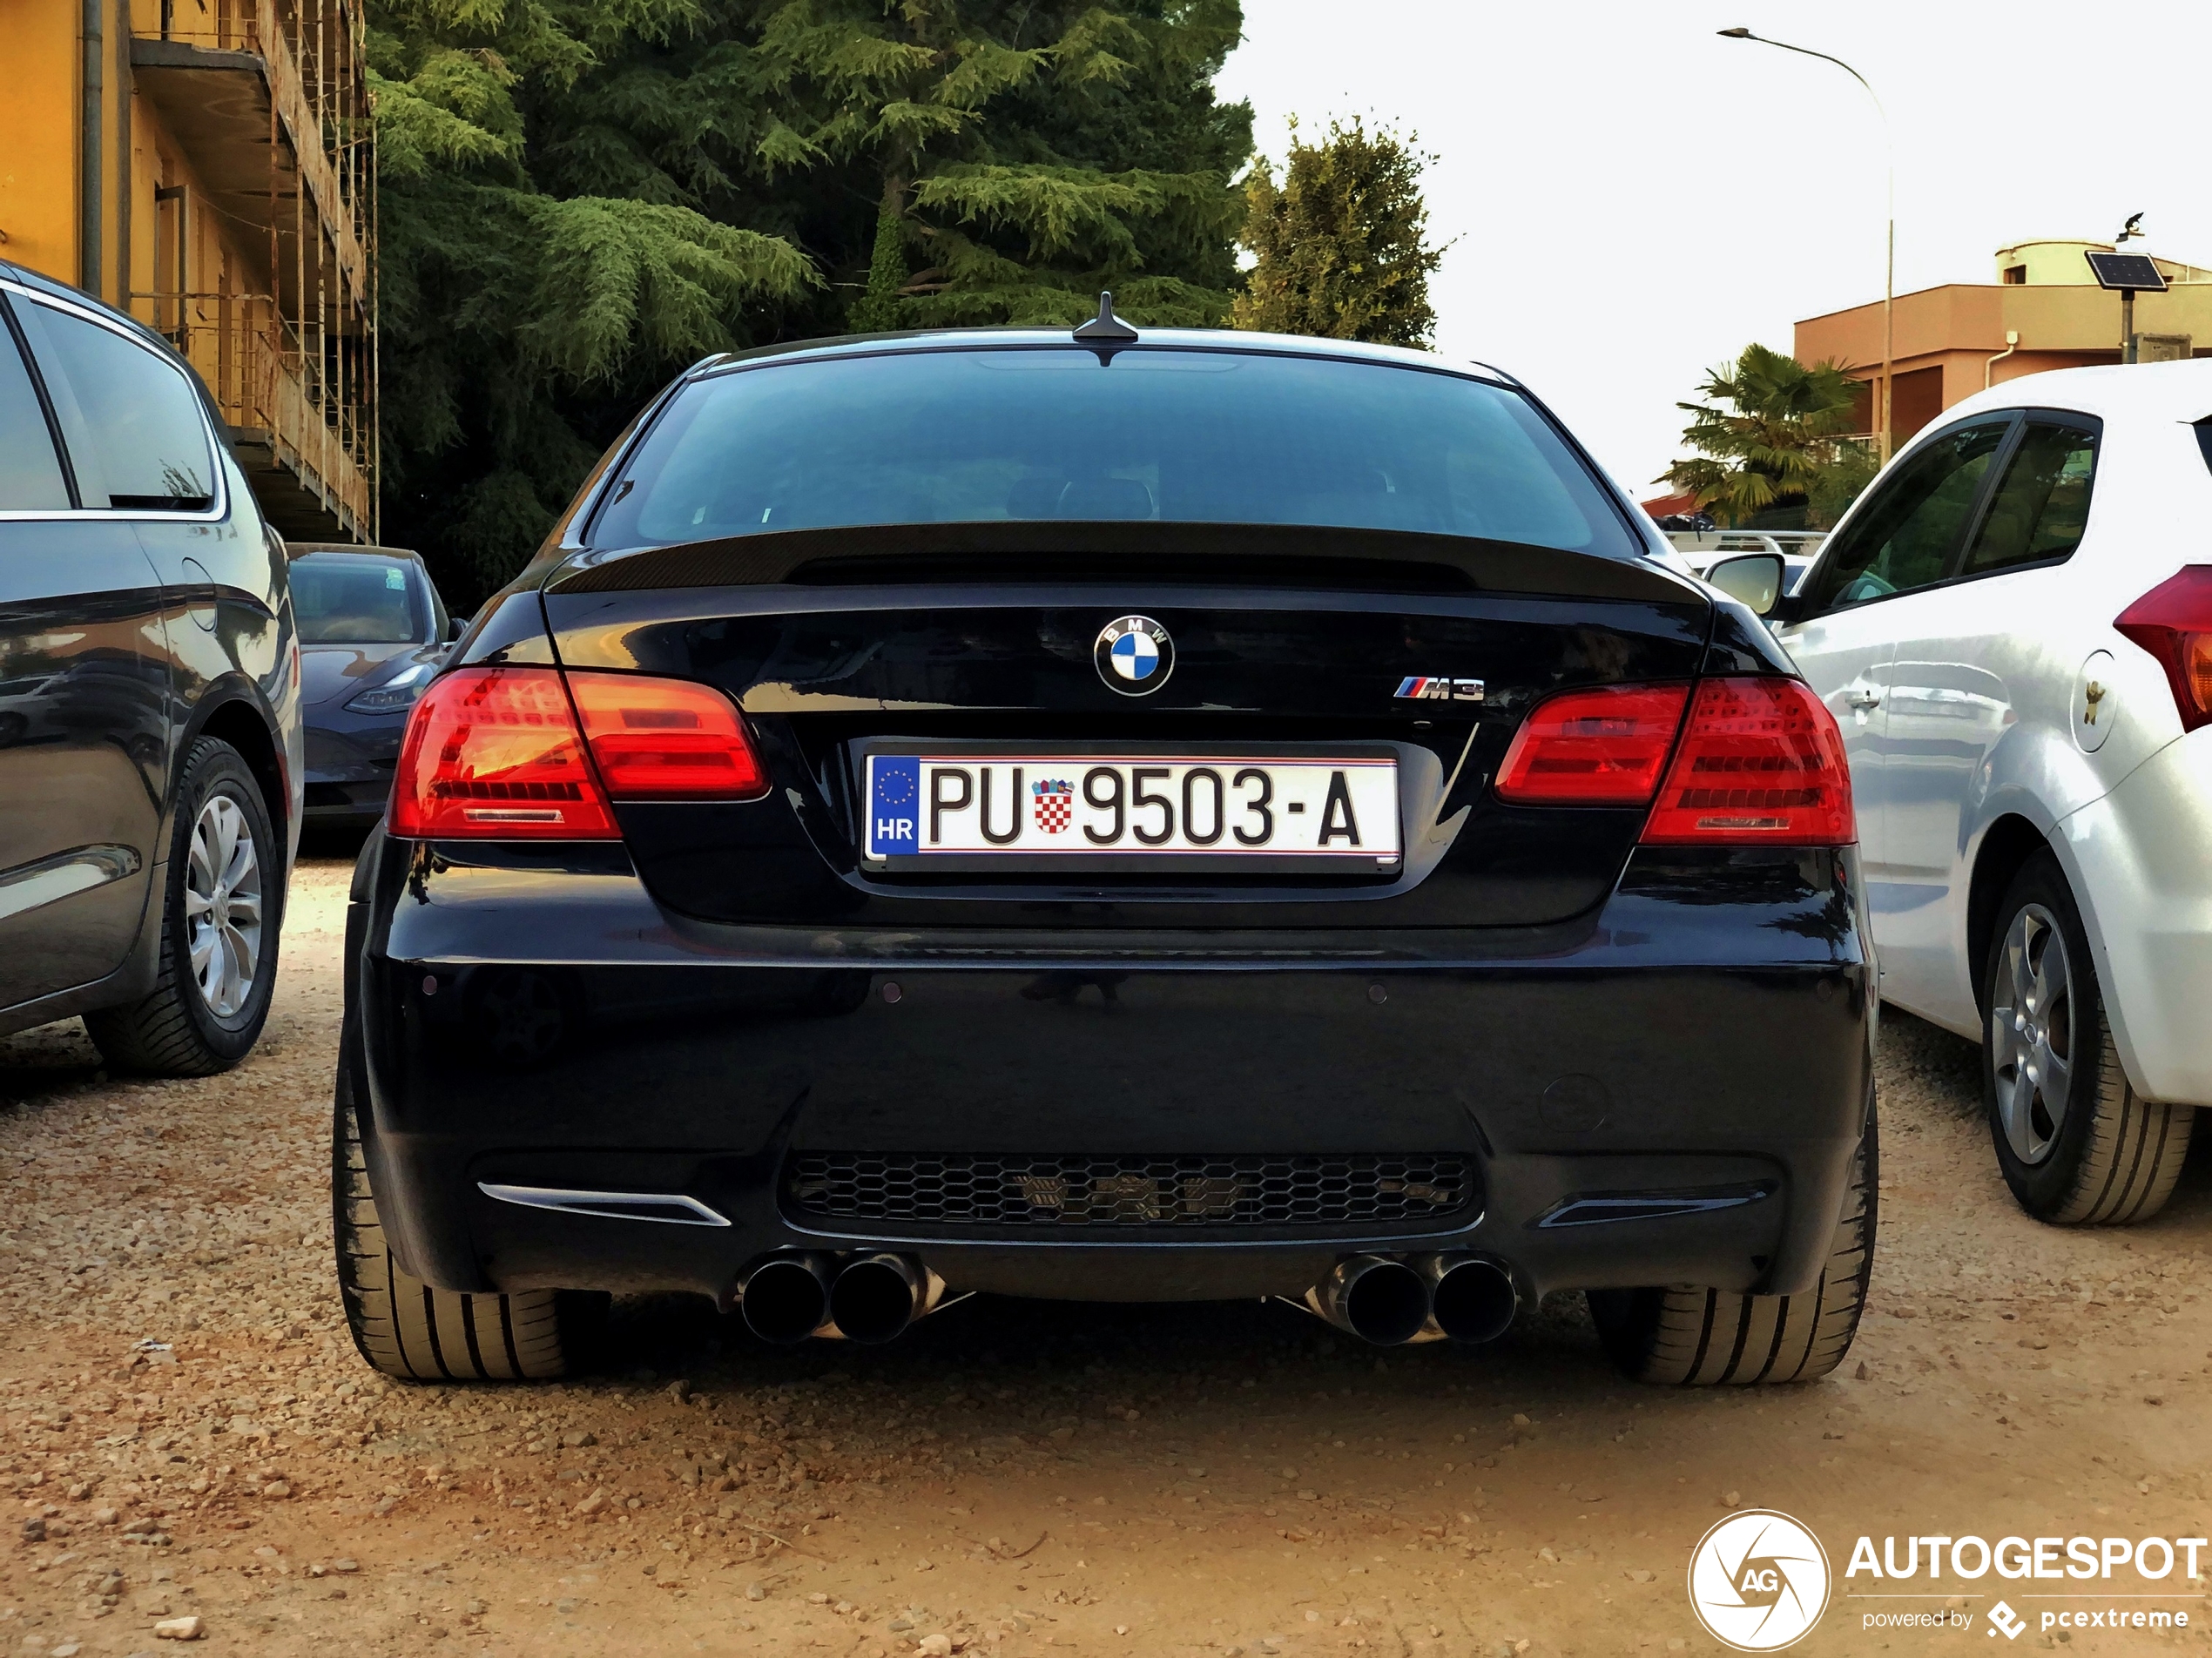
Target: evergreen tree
[1776,449]
[1023,155]
[512,313]
[1340,245]
[580,197]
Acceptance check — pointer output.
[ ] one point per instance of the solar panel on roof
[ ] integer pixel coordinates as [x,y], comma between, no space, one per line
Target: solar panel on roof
[2136,270]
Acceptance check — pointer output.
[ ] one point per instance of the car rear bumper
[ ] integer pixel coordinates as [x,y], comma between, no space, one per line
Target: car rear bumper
[349,764]
[1667,1091]
[355,804]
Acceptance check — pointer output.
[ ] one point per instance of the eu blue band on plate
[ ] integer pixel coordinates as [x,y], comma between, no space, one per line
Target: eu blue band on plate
[894,801]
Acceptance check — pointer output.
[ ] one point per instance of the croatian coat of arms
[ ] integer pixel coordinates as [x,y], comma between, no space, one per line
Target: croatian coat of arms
[1054,801]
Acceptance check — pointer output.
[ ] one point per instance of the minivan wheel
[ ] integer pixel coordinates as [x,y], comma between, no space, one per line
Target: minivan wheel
[404,1327]
[1687,1337]
[2077,1145]
[222,906]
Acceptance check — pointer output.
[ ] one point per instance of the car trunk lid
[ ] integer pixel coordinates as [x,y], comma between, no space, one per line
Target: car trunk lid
[1424,651]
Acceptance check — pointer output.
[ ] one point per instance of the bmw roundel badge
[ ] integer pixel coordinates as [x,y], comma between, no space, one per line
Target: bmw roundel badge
[1134,655]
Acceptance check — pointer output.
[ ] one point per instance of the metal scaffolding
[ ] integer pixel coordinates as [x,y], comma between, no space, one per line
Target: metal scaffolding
[267,102]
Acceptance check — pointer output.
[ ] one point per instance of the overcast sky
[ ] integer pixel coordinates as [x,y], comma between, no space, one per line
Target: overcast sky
[1634,198]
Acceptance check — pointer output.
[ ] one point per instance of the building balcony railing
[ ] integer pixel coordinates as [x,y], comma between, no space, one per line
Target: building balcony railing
[307,61]
[265,103]
[302,430]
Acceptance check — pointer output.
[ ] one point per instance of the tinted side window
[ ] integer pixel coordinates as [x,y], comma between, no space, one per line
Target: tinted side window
[2041,505]
[1905,536]
[31,473]
[134,415]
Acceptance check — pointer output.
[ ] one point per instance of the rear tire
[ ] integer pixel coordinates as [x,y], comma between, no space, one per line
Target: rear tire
[203,1017]
[2078,1146]
[405,1328]
[1682,1336]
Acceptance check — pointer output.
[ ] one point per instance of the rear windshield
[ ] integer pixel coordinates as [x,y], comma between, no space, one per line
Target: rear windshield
[345,598]
[1190,436]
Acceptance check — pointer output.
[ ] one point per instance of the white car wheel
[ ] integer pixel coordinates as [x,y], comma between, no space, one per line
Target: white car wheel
[2077,1145]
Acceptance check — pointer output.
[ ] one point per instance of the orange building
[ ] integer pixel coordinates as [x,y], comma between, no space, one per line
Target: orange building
[209,166]
[2044,311]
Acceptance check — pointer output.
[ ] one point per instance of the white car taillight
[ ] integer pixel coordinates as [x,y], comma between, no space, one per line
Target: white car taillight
[2174,623]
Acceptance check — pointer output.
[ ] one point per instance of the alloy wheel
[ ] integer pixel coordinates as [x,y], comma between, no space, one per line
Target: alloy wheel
[223,906]
[2031,1033]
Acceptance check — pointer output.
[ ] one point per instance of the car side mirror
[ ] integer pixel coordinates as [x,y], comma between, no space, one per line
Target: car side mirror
[1754,580]
[455,626]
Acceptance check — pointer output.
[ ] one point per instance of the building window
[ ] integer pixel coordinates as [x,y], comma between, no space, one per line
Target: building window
[171,256]
[2016,276]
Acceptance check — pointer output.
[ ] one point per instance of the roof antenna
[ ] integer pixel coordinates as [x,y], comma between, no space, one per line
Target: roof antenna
[1106,325]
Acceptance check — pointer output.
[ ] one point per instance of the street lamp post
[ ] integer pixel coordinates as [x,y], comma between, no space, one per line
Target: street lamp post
[1889,274]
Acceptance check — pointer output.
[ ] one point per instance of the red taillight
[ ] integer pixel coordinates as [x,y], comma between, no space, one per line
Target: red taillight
[1760,761]
[494,754]
[2174,623]
[666,740]
[1593,748]
[498,753]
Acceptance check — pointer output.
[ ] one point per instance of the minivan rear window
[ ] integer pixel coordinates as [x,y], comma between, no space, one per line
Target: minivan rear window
[30,474]
[132,420]
[1171,435]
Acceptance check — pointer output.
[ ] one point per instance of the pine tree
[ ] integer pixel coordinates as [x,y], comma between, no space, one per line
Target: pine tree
[580,197]
[509,310]
[1013,174]
[1341,244]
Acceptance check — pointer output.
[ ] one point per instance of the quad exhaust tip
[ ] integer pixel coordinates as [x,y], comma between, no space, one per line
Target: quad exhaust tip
[1468,1298]
[1375,1297]
[876,1297]
[785,1298]
[869,1298]
[1471,1298]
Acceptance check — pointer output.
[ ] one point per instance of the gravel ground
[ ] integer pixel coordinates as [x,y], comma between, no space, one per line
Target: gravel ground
[188,1434]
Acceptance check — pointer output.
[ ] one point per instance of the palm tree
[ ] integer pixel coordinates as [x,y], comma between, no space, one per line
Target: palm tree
[1779,443]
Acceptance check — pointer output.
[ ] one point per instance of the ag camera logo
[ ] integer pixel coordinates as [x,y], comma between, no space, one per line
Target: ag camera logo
[1759,1581]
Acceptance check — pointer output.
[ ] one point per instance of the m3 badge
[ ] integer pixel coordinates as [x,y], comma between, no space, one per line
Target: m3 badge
[1421,688]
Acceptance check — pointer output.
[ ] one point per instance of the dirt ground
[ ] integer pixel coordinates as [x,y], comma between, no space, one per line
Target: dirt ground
[186,1430]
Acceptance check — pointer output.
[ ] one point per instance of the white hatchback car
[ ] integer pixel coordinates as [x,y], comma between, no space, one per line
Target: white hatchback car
[2013,628]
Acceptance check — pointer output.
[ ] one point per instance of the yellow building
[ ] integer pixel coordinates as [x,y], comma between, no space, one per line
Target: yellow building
[2044,311]
[209,166]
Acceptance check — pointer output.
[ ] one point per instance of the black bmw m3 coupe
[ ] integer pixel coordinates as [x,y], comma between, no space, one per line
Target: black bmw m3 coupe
[1117,815]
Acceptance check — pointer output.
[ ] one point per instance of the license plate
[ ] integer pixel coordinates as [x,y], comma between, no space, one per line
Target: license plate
[1118,810]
